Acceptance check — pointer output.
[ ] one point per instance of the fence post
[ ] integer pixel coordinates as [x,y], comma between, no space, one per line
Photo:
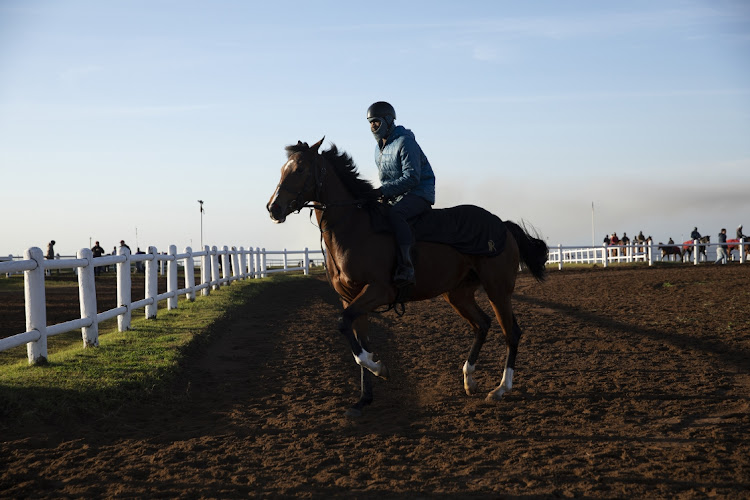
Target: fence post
[215,267]
[235,264]
[87,298]
[123,290]
[152,283]
[263,267]
[696,251]
[233,257]
[189,275]
[258,263]
[650,253]
[560,263]
[243,263]
[286,260]
[225,265]
[251,263]
[307,262]
[742,250]
[172,278]
[36,306]
[605,260]
[206,270]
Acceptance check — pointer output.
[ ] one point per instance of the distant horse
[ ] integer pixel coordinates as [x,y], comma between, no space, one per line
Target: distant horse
[613,250]
[687,247]
[640,246]
[360,262]
[670,250]
[734,244]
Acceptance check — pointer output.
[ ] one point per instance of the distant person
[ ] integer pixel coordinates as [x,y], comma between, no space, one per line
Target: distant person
[97,251]
[123,245]
[640,237]
[721,251]
[139,267]
[625,240]
[739,232]
[51,252]
[606,239]
[695,235]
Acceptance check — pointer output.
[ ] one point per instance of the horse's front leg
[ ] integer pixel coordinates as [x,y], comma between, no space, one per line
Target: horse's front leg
[360,328]
[362,355]
[353,326]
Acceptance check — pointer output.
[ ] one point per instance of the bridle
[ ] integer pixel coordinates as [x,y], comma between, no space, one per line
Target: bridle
[320,172]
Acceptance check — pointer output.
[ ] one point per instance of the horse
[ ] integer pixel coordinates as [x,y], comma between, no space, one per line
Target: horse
[360,262]
[687,247]
[668,250]
[734,244]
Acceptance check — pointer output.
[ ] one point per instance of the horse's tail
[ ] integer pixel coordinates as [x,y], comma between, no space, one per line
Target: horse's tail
[533,250]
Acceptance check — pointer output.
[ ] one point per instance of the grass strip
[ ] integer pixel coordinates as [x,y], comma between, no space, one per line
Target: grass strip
[130,366]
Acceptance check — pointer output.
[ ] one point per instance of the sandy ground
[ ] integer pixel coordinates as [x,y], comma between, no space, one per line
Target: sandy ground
[630,383]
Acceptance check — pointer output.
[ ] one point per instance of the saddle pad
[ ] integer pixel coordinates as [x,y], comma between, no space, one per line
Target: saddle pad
[467,228]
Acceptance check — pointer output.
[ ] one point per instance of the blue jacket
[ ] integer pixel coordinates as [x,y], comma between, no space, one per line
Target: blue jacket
[403,167]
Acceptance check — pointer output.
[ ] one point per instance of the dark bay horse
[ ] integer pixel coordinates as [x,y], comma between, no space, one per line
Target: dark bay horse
[671,249]
[360,262]
[687,247]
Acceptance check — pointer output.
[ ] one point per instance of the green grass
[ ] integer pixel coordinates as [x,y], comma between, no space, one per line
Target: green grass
[126,366]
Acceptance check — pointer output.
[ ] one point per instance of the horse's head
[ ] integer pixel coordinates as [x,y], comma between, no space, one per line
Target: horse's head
[298,184]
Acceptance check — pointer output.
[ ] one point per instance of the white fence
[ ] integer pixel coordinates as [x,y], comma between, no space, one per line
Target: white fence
[636,252]
[235,264]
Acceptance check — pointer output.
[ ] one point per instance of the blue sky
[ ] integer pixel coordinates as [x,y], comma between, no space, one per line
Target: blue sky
[116,117]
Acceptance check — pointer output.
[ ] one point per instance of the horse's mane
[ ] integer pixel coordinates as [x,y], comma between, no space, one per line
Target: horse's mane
[345,168]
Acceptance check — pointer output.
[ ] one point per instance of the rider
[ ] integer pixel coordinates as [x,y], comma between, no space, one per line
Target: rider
[739,232]
[695,235]
[406,178]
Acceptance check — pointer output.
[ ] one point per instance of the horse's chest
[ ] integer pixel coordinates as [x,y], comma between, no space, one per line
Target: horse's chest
[347,289]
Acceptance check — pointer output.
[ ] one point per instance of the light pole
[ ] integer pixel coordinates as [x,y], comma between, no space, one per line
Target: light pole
[201,202]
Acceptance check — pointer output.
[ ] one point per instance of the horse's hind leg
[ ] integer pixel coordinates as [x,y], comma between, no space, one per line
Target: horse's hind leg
[462,300]
[501,303]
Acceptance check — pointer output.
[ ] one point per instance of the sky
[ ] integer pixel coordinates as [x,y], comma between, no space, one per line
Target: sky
[580,118]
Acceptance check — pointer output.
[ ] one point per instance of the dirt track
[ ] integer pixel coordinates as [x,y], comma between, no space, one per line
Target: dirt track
[629,383]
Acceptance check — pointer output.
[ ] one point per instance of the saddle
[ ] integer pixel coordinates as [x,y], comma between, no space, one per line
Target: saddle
[469,229]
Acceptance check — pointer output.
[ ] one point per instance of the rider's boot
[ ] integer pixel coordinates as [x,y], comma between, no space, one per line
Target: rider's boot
[405,272]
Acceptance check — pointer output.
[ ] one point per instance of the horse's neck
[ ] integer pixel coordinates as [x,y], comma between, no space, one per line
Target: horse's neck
[342,221]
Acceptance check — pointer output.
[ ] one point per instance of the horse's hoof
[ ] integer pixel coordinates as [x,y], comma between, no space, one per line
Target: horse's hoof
[383,372]
[471,388]
[353,412]
[495,396]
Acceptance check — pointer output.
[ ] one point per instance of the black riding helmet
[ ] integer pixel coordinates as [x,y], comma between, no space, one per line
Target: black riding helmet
[385,114]
[381,109]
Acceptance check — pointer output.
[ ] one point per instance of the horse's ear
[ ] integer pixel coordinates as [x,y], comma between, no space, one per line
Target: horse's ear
[315,146]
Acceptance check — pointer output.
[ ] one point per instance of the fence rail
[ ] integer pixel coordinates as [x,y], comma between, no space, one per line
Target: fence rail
[639,252]
[236,264]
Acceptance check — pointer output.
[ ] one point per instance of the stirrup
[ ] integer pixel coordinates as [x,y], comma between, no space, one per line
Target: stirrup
[404,277]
